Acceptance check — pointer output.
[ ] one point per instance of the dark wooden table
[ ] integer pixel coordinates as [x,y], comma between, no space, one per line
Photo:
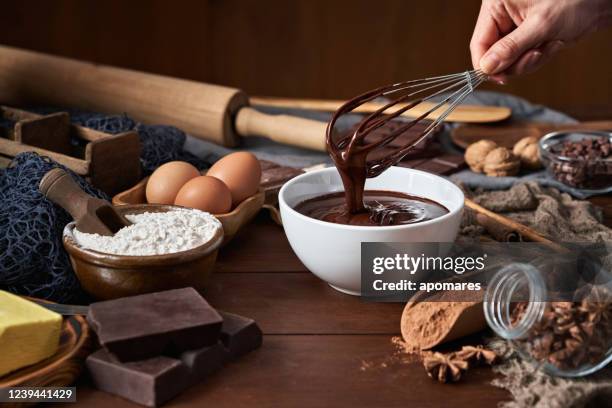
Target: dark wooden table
[321,347]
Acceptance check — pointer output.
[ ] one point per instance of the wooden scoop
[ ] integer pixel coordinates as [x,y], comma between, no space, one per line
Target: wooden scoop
[92,215]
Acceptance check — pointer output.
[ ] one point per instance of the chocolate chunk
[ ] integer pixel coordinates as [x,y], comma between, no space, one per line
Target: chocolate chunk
[277,176]
[266,164]
[406,138]
[155,380]
[442,164]
[205,361]
[169,322]
[239,334]
[148,382]
[273,176]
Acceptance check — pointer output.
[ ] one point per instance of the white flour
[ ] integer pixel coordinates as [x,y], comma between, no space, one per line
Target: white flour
[155,233]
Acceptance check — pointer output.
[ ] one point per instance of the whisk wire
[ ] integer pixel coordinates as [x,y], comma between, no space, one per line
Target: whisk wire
[464,91]
[458,86]
[371,123]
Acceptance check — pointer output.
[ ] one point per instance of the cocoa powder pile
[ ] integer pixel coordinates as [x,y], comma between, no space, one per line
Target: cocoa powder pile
[426,324]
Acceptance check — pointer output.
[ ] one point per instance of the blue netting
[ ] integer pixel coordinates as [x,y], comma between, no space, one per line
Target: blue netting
[32,257]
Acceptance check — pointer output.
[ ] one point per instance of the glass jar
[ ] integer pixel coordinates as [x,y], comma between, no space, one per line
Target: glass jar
[564,338]
[580,167]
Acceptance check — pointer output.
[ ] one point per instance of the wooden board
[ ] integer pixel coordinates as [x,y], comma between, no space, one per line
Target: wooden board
[232,221]
[109,162]
[61,369]
[508,134]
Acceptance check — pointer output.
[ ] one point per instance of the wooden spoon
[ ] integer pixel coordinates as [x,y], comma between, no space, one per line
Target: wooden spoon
[92,215]
[508,135]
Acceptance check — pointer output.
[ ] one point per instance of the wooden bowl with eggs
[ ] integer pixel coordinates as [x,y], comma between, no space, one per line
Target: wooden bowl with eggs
[175,183]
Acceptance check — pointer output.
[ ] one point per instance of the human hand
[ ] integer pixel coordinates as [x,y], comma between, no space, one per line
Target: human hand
[518,36]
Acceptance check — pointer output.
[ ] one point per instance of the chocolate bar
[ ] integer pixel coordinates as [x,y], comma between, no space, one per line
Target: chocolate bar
[426,156]
[239,334]
[443,165]
[273,176]
[408,137]
[144,326]
[153,381]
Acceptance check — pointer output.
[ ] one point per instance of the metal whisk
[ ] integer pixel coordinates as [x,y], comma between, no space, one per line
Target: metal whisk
[407,94]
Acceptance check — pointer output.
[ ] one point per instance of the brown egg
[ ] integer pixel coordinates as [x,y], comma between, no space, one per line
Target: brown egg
[166,181]
[205,193]
[241,172]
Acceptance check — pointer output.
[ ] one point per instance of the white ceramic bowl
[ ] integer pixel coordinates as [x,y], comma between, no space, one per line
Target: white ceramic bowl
[332,251]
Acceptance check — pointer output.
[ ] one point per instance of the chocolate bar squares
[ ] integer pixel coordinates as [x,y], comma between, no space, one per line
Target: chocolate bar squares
[139,327]
[168,323]
[239,334]
[149,382]
[153,381]
[273,176]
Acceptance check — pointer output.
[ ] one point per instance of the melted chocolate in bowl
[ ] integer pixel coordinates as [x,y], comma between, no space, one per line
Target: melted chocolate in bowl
[381,208]
[357,157]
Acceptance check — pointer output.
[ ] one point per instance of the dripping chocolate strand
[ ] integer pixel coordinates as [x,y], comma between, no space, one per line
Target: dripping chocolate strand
[350,152]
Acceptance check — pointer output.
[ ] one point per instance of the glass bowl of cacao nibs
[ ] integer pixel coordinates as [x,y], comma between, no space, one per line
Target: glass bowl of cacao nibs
[579,159]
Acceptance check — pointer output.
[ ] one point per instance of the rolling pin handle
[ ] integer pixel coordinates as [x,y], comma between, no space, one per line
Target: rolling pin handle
[285,129]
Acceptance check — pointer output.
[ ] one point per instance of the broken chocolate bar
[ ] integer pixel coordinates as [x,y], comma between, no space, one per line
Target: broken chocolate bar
[155,380]
[273,176]
[239,334]
[277,176]
[205,361]
[148,382]
[443,165]
[144,326]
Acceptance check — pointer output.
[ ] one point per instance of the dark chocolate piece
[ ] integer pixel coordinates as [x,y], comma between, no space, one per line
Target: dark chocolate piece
[277,176]
[239,334]
[442,164]
[205,361]
[148,382]
[144,326]
[273,176]
[155,380]
[266,164]
[406,138]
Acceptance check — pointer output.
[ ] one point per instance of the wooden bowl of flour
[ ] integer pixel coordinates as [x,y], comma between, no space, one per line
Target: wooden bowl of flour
[109,276]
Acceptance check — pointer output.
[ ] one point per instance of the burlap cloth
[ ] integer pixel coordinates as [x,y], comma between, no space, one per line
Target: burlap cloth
[561,218]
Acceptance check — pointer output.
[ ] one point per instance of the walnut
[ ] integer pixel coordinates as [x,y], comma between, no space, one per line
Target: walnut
[501,162]
[528,151]
[476,153]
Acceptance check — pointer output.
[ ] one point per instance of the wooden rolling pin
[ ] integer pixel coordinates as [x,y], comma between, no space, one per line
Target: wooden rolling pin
[211,112]
[462,113]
